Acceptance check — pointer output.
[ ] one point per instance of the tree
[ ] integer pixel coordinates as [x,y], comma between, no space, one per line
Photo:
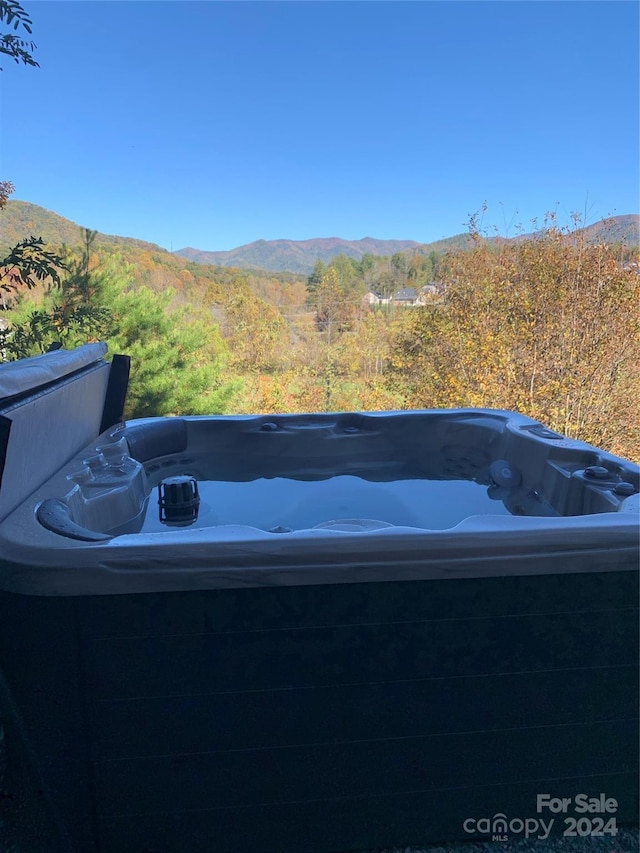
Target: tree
[72,310]
[256,332]
[349,277]
[6,188]
[29,261]
[400,264]
[547,326]
[315,279]
[177,356]
[177,359]
[334,308]
[12,45]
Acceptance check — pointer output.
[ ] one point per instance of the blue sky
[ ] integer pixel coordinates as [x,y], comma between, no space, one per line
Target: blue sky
[213,124]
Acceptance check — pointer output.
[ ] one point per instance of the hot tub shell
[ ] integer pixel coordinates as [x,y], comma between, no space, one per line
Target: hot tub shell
[326,689]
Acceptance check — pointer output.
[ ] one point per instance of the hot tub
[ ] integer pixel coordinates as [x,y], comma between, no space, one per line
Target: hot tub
[317,632]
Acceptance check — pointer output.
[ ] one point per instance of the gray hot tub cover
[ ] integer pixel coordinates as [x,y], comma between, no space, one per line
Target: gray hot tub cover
[18,377]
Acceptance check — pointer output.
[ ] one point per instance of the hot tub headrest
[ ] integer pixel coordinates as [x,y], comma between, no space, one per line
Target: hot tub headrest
[159,437]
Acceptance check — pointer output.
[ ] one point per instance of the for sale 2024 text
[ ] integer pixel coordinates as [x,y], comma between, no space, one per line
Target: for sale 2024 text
[582,815]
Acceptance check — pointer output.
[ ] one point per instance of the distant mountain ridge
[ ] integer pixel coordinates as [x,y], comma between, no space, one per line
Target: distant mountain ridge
[22,219]
[301,255]
[296,255]
[616,229]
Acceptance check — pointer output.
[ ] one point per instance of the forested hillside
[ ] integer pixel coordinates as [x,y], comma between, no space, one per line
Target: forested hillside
[21,219]
[546,325]
[296,255]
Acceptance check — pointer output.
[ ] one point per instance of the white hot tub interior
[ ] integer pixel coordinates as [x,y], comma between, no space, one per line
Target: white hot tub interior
[427,470]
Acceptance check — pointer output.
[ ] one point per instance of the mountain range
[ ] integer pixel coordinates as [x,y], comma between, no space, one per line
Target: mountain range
[301,255]
[22,219]
[296,255]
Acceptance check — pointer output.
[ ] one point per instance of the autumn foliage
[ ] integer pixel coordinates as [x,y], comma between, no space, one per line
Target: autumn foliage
[547,326]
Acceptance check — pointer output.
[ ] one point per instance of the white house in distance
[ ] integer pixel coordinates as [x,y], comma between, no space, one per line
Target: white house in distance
[406,296]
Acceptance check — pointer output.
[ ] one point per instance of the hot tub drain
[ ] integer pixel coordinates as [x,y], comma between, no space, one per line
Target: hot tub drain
[178,501]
